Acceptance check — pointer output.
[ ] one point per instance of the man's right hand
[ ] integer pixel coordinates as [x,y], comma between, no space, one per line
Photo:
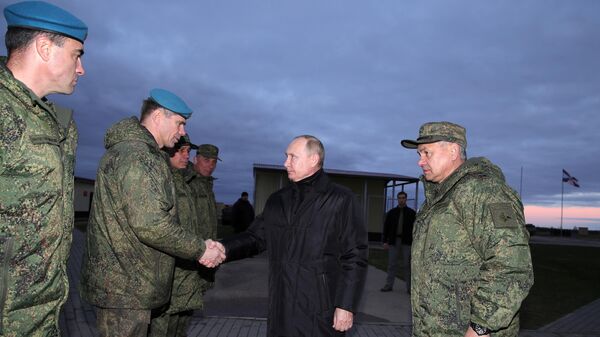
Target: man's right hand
[386,246]
[214,254]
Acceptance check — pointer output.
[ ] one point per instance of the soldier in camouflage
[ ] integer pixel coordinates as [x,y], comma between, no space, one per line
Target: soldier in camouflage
[205,164]
[471,266]
[133,231]
[37,156]
[189,282]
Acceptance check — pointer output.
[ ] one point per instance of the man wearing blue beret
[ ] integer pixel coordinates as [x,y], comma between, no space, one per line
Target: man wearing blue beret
[37,153]
[133,231]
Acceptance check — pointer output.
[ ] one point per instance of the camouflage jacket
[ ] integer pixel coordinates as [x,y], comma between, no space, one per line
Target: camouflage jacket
[37,156]
[470,254]
[188,282]
[133,229]
[207,213]
[207,206]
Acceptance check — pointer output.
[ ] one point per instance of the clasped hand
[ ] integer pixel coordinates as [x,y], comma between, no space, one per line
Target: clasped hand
[214,254]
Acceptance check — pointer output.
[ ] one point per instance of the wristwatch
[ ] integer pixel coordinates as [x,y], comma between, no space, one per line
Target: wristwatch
[479,330]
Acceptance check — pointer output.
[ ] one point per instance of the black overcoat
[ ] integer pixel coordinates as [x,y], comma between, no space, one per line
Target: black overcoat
[317,251]
[390,227]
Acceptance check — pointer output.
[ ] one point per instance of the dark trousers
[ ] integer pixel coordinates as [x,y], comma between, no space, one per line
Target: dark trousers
[393,254]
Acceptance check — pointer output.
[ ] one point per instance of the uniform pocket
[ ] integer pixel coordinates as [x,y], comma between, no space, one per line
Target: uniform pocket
[452,292]
[45,139]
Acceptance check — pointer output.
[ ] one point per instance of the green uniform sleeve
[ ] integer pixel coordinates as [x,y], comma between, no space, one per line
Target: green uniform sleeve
[500,238]
[150,210]
[12,127]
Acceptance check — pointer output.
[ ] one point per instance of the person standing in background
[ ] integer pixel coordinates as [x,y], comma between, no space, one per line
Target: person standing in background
[397,239]
[243,213]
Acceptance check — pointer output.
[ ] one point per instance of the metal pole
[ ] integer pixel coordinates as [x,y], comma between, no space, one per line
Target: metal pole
[562,192]
[521,185]
[417,196]
[392,197]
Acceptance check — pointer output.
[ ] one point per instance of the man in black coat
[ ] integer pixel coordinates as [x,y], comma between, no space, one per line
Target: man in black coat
[242,213]
[397,238]
[315,236]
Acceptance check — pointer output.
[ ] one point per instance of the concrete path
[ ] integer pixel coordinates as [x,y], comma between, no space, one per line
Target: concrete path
[237,306]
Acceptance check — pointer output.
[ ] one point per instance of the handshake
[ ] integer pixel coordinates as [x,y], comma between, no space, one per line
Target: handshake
[214,254]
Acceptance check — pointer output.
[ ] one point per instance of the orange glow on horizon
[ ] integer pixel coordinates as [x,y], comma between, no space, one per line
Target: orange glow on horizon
[544,216]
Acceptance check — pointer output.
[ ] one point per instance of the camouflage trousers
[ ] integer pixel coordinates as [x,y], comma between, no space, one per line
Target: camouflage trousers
[123,322]
[171,325]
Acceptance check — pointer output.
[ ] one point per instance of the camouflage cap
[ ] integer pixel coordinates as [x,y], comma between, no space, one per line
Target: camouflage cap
[208,151]
[438,131]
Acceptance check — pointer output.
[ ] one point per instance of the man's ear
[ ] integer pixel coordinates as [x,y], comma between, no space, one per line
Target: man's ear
[43,47]
[314,159]
[455,151]
[156,116]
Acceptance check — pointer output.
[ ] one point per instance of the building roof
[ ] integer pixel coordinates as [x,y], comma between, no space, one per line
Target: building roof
[84,180]
[384,176]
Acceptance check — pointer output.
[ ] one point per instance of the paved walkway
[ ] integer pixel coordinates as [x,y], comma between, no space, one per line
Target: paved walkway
[236,307]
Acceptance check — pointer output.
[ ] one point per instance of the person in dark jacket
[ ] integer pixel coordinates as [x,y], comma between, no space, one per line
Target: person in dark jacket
[243,213]
[397,237]
[314,233]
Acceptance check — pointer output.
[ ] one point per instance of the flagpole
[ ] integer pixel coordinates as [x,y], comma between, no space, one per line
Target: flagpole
[562,191]
[521,185]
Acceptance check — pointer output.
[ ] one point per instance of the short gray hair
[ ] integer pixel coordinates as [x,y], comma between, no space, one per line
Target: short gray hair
[462,151]
[314,145]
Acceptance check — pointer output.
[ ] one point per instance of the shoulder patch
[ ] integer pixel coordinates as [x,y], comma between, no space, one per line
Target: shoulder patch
[503,215]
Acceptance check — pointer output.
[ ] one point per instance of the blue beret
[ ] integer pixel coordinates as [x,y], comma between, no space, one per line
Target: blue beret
[43,16]
[170,101]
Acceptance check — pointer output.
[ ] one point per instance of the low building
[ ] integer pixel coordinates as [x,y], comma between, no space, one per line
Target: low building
[84,192]
[376,192]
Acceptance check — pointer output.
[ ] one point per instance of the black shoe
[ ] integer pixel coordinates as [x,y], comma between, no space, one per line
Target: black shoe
[385,289]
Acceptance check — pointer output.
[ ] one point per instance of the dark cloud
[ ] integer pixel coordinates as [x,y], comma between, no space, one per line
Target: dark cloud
[520,76]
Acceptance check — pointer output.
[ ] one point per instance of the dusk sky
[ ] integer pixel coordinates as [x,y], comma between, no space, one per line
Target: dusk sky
[521,76]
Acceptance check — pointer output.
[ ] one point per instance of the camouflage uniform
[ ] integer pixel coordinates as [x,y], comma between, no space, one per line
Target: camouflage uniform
[133,228]
[207,206]
[37,156]
[471,259]
[189,284]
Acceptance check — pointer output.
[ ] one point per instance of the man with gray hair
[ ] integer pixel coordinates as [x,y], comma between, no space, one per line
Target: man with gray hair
[315,236]
[471,265]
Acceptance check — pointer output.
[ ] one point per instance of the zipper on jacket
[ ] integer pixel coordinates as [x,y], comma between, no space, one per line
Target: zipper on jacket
[458,304]
[4,278]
